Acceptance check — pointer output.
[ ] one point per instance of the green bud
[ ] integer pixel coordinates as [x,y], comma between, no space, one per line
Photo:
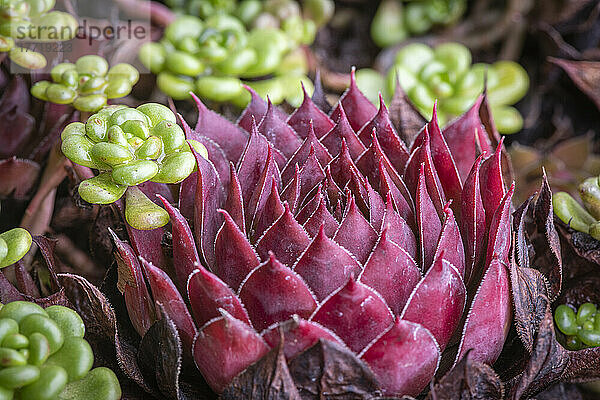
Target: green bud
[181,63]
[512,85]
[319,11]
[127,114]
[101,189]
[92,65]
[96,128]
[589,191]
[124,71]
[387,26]
[58,70]
[157,112]
[416,19]
[564,317]
[99,384]
[39,349]
[151,149]
[77,149]
[135,172]
[184,26]
[11,358]
[75,357]
[27,59]
[60,94]
[38,90]
[175,168]
[90,103]
[17,377]
[218,88]
[173,86]
[16,310]
[16,341]
[238,62]
[44,325]
[153,56]
[585,312]
[70,78]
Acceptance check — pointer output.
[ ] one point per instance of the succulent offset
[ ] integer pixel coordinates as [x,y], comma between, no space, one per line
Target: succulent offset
[581,329]
[397,20]
[216,55]
[444,73]
[87,84]
[330,227]
[32,21]
[43,356]
[130,146]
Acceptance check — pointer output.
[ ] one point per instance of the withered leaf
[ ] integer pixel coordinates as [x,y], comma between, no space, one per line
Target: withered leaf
[520,243]
[47,246]
[8,292]
[529,289]
[561,391]
[318,96]
[160,355]
[468,380]
[582,244]
[269,378]
[585,74]
[546,242]
[405,117]
[546,365]
[329,370]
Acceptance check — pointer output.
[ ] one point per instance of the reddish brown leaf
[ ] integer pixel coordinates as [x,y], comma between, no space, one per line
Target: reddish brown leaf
[309,114]
[355,233]
[280,134]
[256,109]
[585,74]
[273,293]
[358,108]
[17,177]
[343,131]
[356,313]
[301,155]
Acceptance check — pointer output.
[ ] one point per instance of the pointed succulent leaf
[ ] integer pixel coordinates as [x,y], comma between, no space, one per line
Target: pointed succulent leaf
[311,205]
[359,109]
[185,255]
[310,144]
[404,358]
[392,272]
[298,335]
[325,266]
[405,117]
[234,204]
[472,223]
[451,242]
[428,223]
[224,347]
[342,166]
[500,230]
[273,292]
[489,318]
[342,130]
[386,134]
[165,293]
[422,156]
[291,193]
[229,137]
[438,301]
[310,175]
[256,109]
[375,204]
[208,294]
[209,197]
[131,283]
[356,313]
[321,218]
[285,238]
[280,134]
[398,230]
[309,114]
[492,184]
[266,216]
[466,138]
[263,188]
[355,233]
[234,256]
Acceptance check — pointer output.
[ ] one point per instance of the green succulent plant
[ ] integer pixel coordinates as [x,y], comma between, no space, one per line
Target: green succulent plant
[43,356]
[581,327]
[252,43]
[396,20]
[87,84]
[445,73]
[584,218]
[129,146]
[32,21]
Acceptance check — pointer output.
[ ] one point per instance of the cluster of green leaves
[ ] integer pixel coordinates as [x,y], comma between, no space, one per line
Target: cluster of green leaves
[584,218]
[582,329]
[213,56]
[87,84]
[43,356]
[32,20]
[445,73]
[129,146]
[396,20]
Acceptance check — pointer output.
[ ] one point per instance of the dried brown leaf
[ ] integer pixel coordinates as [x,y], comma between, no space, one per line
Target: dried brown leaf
[329,370]
[585,74]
